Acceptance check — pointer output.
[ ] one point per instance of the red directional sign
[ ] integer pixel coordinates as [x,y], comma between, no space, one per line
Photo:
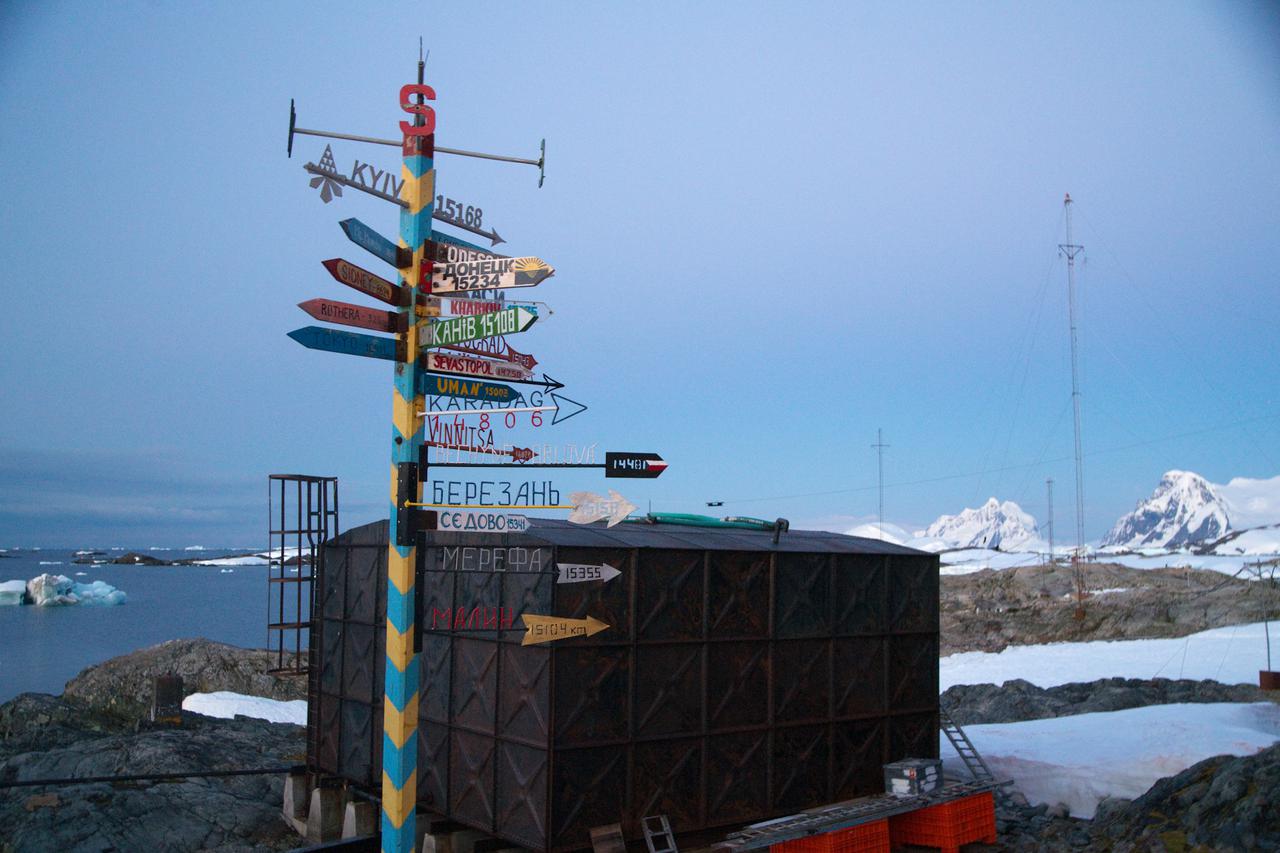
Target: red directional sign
[483,368]
[495,348]
[365,281]
[332,311]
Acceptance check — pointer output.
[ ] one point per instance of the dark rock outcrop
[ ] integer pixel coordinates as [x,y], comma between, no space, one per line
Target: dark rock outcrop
[1222,803]
[43,737]
[132,559]
[1015,700]
[123,686]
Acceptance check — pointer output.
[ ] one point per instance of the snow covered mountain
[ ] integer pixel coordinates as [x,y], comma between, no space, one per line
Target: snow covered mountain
[993,525]
[1185,508]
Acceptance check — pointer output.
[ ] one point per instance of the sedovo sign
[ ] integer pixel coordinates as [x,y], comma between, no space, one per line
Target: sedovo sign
[481,522]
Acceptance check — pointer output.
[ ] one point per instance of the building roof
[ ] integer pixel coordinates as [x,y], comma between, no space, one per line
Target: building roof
[554,531]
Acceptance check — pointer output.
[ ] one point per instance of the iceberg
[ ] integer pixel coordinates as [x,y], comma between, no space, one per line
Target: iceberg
[59,590]
[12,592]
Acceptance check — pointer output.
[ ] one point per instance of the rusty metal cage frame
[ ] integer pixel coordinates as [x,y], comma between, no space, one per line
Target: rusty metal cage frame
[311,504]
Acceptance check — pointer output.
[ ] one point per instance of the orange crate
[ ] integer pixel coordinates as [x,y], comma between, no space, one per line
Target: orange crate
[870,837]
[947,825]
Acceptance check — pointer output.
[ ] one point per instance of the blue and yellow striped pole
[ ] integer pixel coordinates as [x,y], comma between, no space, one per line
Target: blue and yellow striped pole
[400,702]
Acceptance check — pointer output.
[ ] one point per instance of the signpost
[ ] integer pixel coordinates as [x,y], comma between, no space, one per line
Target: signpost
[471,389]
[346,314]
[366,282]
[546,629]
[589,507]
[465,365]
[558,406]
[631,465]
[449,363]
[577,573]
[504,352]
[489,274]
[377,245]
[516,453]
[473,327]
[347,343]
[482,522]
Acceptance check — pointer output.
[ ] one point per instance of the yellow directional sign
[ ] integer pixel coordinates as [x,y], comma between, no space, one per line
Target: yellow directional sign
[544,629]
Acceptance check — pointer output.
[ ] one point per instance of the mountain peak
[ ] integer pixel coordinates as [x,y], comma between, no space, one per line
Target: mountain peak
[1184,508]
[992,525]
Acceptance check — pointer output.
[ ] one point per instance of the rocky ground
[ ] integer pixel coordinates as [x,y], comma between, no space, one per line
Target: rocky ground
[94,730]
[1017,700]
[989,610]
[122,686]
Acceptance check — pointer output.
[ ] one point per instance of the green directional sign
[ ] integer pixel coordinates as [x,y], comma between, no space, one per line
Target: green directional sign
[473,327]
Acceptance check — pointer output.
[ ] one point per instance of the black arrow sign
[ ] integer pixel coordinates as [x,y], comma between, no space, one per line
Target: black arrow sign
[631,465]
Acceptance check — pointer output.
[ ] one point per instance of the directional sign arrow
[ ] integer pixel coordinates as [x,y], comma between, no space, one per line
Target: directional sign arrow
[471,389]
[545,629]
[577,573]
[488,274]
[491,234]
[473,327]
[520,454]
[348,343]
[480,368]
[589,507]
[331,311]
[366,282]
[368,239]
[337,178]
[563,411]
[481,522]
[646,465]
[558,406]
[446,248]
[508,354]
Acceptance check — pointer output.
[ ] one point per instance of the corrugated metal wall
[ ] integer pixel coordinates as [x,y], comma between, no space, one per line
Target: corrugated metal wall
[731,687]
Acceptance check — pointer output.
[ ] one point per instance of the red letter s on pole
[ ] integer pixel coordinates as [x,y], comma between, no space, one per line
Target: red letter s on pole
[428,125]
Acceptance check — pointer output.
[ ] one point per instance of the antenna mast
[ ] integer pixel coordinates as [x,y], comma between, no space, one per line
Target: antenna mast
[1070,250]
[879,448]
[1049,483]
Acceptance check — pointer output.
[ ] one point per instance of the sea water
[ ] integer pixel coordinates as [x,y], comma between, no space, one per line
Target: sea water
[41,648]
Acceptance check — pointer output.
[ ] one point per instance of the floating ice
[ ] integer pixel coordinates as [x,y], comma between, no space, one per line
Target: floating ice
[54,590]
[12,592]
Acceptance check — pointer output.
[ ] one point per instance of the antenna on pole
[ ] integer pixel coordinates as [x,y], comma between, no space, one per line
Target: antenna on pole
[1049,483]
[879,447]
[1070,250]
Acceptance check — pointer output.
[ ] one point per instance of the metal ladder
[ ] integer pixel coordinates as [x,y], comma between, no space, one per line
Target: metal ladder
[660,833]
[969,755]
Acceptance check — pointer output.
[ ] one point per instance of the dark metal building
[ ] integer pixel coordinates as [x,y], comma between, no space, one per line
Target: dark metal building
[739,680]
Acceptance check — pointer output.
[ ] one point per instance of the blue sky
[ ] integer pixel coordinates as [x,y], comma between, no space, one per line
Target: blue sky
[776,228]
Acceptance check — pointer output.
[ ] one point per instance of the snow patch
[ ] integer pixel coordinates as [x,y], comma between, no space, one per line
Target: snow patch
[1080,759]
[226,705]
[892,533]
[1233,655]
